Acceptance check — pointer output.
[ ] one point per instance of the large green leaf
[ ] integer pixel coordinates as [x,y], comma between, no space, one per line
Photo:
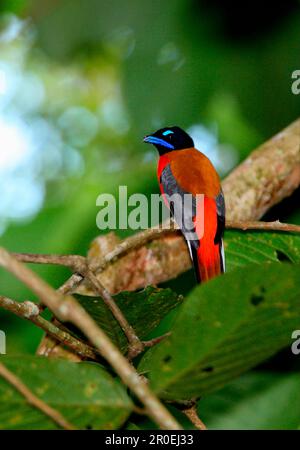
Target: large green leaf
[224,328]
[83,392]
[243,248]
[248,403]
[139,422]
[144,310]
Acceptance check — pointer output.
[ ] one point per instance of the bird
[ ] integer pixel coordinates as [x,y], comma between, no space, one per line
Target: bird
[182,170]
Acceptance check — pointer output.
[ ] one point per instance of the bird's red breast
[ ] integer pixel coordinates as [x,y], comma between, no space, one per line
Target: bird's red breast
[162,163]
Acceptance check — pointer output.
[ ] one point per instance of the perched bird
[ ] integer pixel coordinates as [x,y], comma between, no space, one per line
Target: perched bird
[182,169]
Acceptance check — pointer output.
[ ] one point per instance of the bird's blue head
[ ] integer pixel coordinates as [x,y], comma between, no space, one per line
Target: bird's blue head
[168,139]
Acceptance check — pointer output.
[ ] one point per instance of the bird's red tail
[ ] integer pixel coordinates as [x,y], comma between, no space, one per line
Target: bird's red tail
[208,259]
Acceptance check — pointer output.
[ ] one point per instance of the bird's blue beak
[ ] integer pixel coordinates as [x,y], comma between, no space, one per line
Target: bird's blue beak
[157,141]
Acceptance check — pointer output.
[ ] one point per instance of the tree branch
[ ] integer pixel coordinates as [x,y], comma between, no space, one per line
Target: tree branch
[30,311]
[133,242]
[68,309]
[76,263]
[269,174]
[151,234]
[33,400]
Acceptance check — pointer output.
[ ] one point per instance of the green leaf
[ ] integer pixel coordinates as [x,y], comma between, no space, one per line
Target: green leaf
[248,403]
[243,248]
[144,310]
[224,328]
[84,393]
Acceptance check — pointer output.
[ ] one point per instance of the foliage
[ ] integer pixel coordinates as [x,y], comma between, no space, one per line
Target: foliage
[144,310]
[218,336]
[258,400]
[83,87]
[259,247]
[84,393]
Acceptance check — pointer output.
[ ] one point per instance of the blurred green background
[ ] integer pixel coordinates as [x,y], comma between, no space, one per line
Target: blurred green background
[81,82]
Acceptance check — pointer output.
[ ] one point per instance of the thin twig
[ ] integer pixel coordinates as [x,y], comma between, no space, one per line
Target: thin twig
[157,340]
[258,183]
[192,415]
[68,309]
[135,346]
[77,263]
[33,400]
[30,311]
[70,285]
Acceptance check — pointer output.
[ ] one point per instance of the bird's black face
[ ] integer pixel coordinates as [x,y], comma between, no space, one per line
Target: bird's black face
[168,139]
